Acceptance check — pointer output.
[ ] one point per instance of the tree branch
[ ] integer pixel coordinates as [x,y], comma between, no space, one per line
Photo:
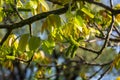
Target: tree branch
[5,37]
[110,39]
[107,36]
[103,6]
[34,18]
[30,21]
[101,76]
[95,73]
[90,50]
[117,30]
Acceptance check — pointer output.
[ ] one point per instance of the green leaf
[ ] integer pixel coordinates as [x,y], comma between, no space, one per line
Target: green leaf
[79,20]
[51,22]
[11,41]
[23,42]
[44,4]
[54,20]
[34,43]
[72,41]
[57,20]
[1,2]
[117,6]
[116,62]
[1,14]
[48,46]
[69,49]
[19,3]
[10,57]
[33,4]
[87,12]
[73,51]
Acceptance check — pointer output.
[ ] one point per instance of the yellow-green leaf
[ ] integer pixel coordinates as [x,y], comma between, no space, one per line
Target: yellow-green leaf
[10,57]
[43,2]
[11,40]
[116,62]
[117,6]
[1,14]
[23,42]
[73,41]
[69,49]
[1,2]
[73,52]
[34,43]
[33,4]
[79,20]
[48,46]
[87,12]
[54,20]
[19,4]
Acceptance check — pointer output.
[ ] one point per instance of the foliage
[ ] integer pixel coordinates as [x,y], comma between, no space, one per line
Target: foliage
[58,39]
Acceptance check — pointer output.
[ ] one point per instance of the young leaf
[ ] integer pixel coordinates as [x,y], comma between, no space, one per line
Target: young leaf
[19,3]
[1,2]
[34,43]
[44,4]
[1,14]
[69,49]
[73,52]
[73,41]
[10,57]
[33,4]
[79,20]
[48,46]
[11,41]
[117,6]
[23,42]
[54,20]
[116,62]
[117,19]
[87,12]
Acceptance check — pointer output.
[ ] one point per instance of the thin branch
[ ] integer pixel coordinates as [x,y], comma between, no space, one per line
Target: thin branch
[16,10]
[23,60]
[107,37]
[30,21]
[117,30]
[114,35]
[90,50]
[103,6]
[34,18]
[99,4]
[30,29]
[29,62]
[91,41]
[92,64]
[110,39]
[109,30]
[111,3]
[101,76]
[95,73]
